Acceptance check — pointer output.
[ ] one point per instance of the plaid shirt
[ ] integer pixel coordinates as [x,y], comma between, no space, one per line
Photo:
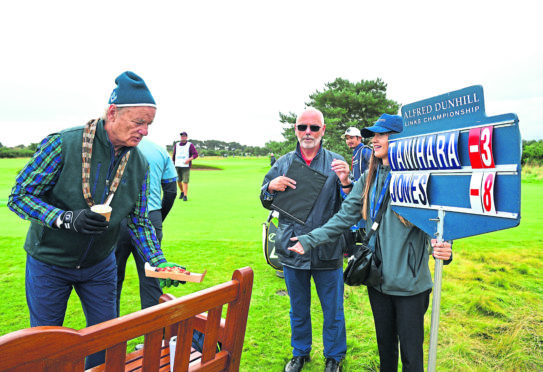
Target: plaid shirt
[41,174]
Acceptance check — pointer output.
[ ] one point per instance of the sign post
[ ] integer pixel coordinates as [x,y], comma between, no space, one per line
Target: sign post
[436,299]
[455,173]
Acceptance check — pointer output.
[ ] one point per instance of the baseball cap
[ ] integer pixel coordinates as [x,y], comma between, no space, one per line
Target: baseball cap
[352,131]
[183,134]
[386,123]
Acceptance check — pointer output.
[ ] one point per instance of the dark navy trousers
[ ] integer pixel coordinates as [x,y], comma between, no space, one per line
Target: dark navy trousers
[48,288]
[329,285]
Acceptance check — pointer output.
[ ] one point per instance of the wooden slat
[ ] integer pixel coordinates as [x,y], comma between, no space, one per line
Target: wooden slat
[211,334]
[220,363]
[236,317]
[115,357]
[152,347]
[183,346]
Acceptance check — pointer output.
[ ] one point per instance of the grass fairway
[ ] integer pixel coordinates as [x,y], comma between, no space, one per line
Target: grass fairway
[492,297]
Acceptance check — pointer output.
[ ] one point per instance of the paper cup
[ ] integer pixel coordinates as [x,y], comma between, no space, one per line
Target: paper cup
[104,210]
[173,343]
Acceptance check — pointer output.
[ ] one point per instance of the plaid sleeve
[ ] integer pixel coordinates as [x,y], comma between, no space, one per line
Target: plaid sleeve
[142,230]
[38,176]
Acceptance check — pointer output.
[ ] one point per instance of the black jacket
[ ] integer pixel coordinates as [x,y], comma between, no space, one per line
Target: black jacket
[327,204]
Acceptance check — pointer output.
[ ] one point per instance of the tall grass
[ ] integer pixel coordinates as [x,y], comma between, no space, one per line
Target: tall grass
[532,173]
[492,296]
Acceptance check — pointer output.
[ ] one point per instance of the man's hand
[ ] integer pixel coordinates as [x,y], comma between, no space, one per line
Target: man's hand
[298,248]
[341,169]
[169,282]
[83,221]
[281,183]
[442,250]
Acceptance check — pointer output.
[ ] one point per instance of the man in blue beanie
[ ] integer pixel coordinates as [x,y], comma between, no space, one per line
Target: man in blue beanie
[68,245]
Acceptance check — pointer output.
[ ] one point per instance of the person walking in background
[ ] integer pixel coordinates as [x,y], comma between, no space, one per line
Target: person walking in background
[359,164]
[184,153]
[162,193]
[68,245]
[326,269]
[401,300]
[272,159]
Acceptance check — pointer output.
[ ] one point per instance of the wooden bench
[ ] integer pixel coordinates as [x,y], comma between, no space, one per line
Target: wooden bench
[59,349]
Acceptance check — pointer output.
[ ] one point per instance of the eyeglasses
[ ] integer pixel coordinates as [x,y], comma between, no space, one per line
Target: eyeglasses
[312,127]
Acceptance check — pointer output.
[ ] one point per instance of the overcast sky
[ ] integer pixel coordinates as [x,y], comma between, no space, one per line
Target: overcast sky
[225,69]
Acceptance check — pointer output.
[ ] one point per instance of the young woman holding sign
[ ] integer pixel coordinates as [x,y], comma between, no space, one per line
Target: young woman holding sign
[401,300]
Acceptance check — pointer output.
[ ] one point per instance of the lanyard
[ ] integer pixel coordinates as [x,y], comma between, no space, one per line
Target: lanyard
[88,140]
[375,208]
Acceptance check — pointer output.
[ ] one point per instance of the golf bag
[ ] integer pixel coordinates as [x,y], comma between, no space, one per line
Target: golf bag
[268,241]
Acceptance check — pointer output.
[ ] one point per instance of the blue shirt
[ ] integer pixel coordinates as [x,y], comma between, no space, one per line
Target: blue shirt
[161,168]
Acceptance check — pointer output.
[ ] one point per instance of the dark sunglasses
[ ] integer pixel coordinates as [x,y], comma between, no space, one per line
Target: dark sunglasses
[312,127]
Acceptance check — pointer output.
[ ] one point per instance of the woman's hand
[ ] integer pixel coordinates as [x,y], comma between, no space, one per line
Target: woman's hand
[298,248]
[442,250]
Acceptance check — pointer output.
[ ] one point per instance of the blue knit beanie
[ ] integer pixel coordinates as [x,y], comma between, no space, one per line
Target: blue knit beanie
[131,90]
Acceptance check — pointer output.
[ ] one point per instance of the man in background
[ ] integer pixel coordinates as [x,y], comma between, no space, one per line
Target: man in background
[361,153]
[326,270]
[359,164]
[184,153]
[162,193]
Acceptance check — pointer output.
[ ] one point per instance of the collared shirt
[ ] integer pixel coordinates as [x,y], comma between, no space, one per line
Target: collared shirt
[42,173]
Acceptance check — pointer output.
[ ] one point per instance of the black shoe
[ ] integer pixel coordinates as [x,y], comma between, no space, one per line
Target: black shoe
[181,196]
[185,198]
[332,365]
[296,363]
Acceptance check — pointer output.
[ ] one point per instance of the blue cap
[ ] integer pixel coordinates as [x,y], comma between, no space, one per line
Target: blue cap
[131,90]
[386,123]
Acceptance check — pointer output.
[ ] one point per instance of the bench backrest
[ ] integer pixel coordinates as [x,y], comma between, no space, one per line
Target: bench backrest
[64,349]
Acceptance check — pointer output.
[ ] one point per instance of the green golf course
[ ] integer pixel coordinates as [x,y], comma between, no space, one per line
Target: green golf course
[492,296]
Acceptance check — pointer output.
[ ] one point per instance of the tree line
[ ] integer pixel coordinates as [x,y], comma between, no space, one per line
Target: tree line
[343,103]
[221,148]
[532,152]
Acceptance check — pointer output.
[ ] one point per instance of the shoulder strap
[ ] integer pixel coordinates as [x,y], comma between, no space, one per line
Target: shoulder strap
[363,156]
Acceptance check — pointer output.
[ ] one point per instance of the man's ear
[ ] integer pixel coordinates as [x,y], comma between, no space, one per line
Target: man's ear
[111,112]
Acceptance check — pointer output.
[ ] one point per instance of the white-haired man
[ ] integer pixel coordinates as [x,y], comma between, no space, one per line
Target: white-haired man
[327,269]
[68,245]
